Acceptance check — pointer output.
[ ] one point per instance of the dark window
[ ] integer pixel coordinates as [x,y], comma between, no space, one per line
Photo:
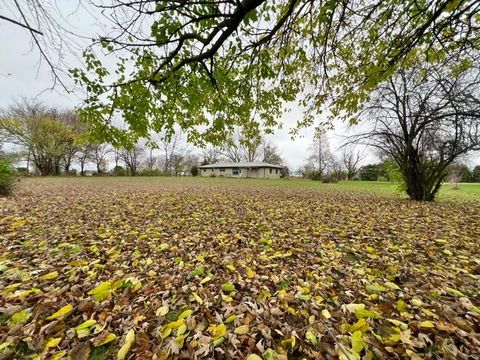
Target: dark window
[270,171]
[212,169]
[204,170]
[222,170]
[236,171]
[276,171]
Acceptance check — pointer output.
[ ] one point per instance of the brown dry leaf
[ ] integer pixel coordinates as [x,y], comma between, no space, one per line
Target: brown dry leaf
[80,352]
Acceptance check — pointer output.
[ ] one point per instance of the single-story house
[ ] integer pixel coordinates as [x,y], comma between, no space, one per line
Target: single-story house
[256,169]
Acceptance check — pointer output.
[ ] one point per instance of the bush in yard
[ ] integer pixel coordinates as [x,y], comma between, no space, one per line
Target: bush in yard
[392,171]
[150,172]
[119,171]
[316,176]
[330,179]
[7,177]
[371,172]
[22,171]
[194,170]
[476,174]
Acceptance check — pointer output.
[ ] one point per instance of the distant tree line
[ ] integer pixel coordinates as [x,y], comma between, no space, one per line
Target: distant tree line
[325,165]
[389,171]
[50,142]
[461,173]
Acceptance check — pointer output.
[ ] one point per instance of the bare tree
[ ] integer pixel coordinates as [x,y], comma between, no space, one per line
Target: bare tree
[116,156]
[150,159]
[190,161]
[211,155]
[174,149]
[351,159]
[270,153]
[99,155]
[336,170]
[242,146]
[424,118]
[251,147]
[72,144]
[306,170]
[454,175]
[84,155]
[232,149]
[132,157]
[320,155]
[177,164]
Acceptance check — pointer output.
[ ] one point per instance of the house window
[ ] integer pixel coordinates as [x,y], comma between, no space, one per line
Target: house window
[222,170]
[212,169]
[204,170]
[236,171]
[270,171]
[276,171]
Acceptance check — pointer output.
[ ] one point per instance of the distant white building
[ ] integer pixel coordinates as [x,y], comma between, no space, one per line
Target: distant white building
[257,170]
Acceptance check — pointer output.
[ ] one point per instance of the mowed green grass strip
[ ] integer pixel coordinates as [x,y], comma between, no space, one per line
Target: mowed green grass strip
[448,192]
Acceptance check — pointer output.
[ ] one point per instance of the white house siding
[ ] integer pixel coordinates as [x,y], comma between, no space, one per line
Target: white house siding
[226,173]
[275,174]
[256,173]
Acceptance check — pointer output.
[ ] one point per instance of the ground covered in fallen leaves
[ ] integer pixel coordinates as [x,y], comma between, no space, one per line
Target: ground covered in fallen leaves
[108,268]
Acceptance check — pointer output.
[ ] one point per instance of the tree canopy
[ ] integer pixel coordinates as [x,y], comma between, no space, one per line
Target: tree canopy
[209,66]
[50,137]
[425,118]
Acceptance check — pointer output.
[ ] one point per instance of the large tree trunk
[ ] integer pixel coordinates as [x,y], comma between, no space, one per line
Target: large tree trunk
[44,171]
[43,166]
[416,189]
[28,161]
[422,184]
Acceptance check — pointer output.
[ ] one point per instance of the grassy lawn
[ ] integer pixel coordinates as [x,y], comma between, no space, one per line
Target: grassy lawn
[226,268]
[464,191]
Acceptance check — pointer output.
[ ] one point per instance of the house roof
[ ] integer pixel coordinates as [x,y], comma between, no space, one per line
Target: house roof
[254,164]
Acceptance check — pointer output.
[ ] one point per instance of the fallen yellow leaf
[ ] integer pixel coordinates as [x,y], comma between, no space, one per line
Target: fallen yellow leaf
[326,314]
[427,324]
[241,330]
[52,342]
[50,276]
[62,312]
[129,340]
